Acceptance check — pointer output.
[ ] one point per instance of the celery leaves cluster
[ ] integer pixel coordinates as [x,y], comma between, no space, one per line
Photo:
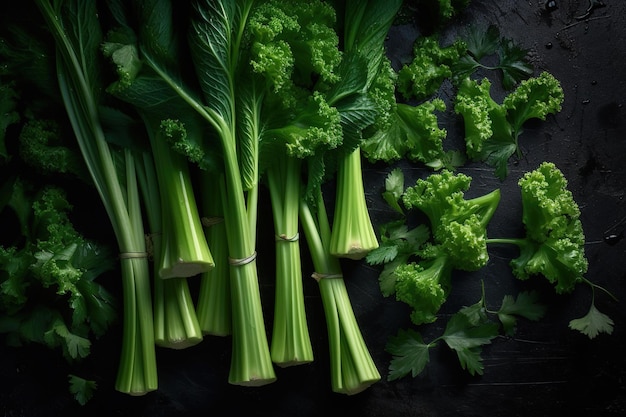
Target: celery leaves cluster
[418,263]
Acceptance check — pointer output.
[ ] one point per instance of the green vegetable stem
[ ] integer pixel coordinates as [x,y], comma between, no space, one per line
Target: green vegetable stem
[175,321]
[291,343]
[215,39]
[182,251]
[293,56]
[353,234]
[209,136]
[179,247]
[352,368]
[214,301]
[77,71]
[364,27]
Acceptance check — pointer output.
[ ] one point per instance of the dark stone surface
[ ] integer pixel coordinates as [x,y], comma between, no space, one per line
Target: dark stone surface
[543,370]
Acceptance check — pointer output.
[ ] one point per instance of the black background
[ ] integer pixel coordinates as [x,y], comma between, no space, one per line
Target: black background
[544,369]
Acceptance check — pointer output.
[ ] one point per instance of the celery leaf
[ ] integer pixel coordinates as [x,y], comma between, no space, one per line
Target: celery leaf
[81,388]
[467,339]
[410,354]
[593,323]
[525,305]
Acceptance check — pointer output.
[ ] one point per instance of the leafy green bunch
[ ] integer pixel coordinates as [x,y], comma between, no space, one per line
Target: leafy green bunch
[554,243]
[418,263]
[454,236]
[53,258]
[491,129]
[49,288]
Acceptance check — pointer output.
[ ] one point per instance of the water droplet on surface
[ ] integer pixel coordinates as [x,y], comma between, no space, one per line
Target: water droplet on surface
[549,45]
[613,238]
[551,5]
[586,101]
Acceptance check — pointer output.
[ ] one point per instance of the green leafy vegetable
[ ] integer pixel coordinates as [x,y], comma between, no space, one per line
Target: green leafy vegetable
[466,332]
[43,147]
[413,134]
[49,293]
[483,43]
[418,263]
[554,245]
[491,129]
[77,35]
[430,66]
[83,389]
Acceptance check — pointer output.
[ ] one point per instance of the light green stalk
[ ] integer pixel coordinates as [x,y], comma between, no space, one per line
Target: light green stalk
[179,247]
[353,234]
[251,362]
[176,324]
[215,38]
[352,368]
[214,306]
[137,373]
[291,344]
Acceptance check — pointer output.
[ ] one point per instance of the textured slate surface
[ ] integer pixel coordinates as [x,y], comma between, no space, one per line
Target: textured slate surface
[545,369]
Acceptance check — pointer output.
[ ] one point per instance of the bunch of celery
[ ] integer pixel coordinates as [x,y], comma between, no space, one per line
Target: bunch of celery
[77,34]
[224,97]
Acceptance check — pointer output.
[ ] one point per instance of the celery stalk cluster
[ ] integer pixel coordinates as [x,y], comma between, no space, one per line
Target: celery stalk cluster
[181,119]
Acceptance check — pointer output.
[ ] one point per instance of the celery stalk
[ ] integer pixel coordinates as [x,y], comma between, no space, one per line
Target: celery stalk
[291,344]
[353,234]
[214,305]
[352,369]
[78,82]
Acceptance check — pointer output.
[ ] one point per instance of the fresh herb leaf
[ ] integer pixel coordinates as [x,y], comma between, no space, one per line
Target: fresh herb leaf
[398,243]
[513,64]
[593,323]
[482,43]
[476,313]
[409,354]
[82,389]
[394,188]
[73,345]
[467,338]
[525,305]
[485,44]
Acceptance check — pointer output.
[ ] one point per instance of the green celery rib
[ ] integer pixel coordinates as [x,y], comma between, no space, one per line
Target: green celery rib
[352,369]
[213,306]
[185,249]
[353,234]
[138,328]
[250,365]
[251,362]
[137,373]
[291,344]
[175,322]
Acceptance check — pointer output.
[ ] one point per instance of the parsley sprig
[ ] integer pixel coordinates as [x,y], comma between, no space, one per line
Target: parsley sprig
[466,332]
[487,44]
